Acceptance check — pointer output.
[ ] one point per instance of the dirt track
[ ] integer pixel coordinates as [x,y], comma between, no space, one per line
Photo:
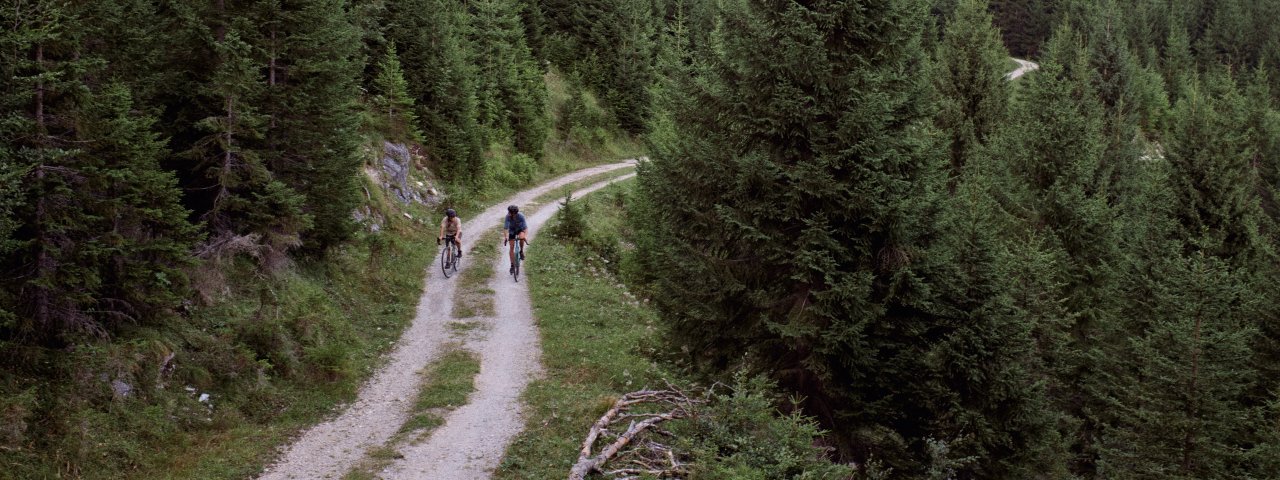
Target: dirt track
[474,436]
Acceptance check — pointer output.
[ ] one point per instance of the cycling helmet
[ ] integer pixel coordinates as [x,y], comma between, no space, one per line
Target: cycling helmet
[450,213]
[513,209]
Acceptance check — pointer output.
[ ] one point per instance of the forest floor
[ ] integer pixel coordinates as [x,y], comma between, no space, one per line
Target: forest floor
[378,436]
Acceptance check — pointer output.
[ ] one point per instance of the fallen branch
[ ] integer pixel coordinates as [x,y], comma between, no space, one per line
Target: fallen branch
[679,405]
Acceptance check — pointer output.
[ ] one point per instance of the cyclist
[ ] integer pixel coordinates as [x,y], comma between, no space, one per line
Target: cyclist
[517,229]
[451,227]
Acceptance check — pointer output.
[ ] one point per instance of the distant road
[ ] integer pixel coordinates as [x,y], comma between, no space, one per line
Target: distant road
[1024,66]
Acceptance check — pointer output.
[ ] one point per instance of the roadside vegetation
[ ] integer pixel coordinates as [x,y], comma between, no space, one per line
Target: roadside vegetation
[599,342]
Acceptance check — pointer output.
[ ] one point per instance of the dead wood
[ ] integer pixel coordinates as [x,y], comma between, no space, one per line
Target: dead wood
[650,457]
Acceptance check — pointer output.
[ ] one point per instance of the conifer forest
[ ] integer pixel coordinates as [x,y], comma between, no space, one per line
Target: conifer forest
[952,273]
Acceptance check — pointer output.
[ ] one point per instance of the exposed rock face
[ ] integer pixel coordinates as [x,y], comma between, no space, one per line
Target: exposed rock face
[394,173]
[397,165]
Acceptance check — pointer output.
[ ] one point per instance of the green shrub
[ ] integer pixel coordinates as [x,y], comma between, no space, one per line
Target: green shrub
[571,221]
[740,435]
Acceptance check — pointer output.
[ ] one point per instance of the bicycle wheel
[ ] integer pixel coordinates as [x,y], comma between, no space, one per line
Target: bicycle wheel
[515,265]
[447,260]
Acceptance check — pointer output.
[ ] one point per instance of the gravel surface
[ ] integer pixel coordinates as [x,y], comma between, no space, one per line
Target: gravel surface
[1024,66]
[473,438]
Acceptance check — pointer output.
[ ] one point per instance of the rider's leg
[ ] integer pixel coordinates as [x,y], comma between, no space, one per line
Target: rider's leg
[524,242]
[511,253]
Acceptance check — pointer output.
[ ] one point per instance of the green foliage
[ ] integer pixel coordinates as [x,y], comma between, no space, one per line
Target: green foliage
[809,250]
[598,342]
[1211,155]
[393,98]
[1180,413]
[509,82]
[610,46]
[970,81]
[740,434]
[431,38]
[571,221]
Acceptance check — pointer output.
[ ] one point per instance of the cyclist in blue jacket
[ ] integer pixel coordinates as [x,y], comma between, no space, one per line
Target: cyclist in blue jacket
[517,230]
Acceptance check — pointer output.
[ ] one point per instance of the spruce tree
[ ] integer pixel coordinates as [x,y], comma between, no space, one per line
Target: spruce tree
[986,359]
[391,98]
[1210,152]
[632,75]
[970,81]
[310,98]
[430,36]
[1057,147]
[807,214]
[509,82]
[94,236]
[238,195]
[1180,414]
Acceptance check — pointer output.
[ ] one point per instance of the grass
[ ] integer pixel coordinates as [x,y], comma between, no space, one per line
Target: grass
[473,297]
[446,383]
[590,326]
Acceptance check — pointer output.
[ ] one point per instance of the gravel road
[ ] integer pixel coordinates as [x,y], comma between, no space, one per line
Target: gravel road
[474,436]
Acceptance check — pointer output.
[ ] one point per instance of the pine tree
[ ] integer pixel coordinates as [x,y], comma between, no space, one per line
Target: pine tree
[991,408]
[238,194]
[1211,156]
[1180,415]
[510,88]
[970,82]
[1057,146]
[633,71]
[392,98]
[805,242]
[431,38]
[311,94]
[94,236]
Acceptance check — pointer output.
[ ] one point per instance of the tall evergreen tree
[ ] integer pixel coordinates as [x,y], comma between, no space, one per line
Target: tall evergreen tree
[1057,147]
[1180,415]
[431,38]
[391,98]
[94,234]
[235,192]
[633,72]
[512,96]
[312,70]
[970,81]
[807,191]
[1211,156]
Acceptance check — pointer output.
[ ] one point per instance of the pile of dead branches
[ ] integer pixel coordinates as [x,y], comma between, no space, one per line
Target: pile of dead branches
[620,430]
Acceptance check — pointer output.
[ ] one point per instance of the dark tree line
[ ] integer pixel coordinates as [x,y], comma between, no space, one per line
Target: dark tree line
[1070,275]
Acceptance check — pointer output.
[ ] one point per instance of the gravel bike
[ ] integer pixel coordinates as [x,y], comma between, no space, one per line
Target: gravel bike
[450,256]
[516,257]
